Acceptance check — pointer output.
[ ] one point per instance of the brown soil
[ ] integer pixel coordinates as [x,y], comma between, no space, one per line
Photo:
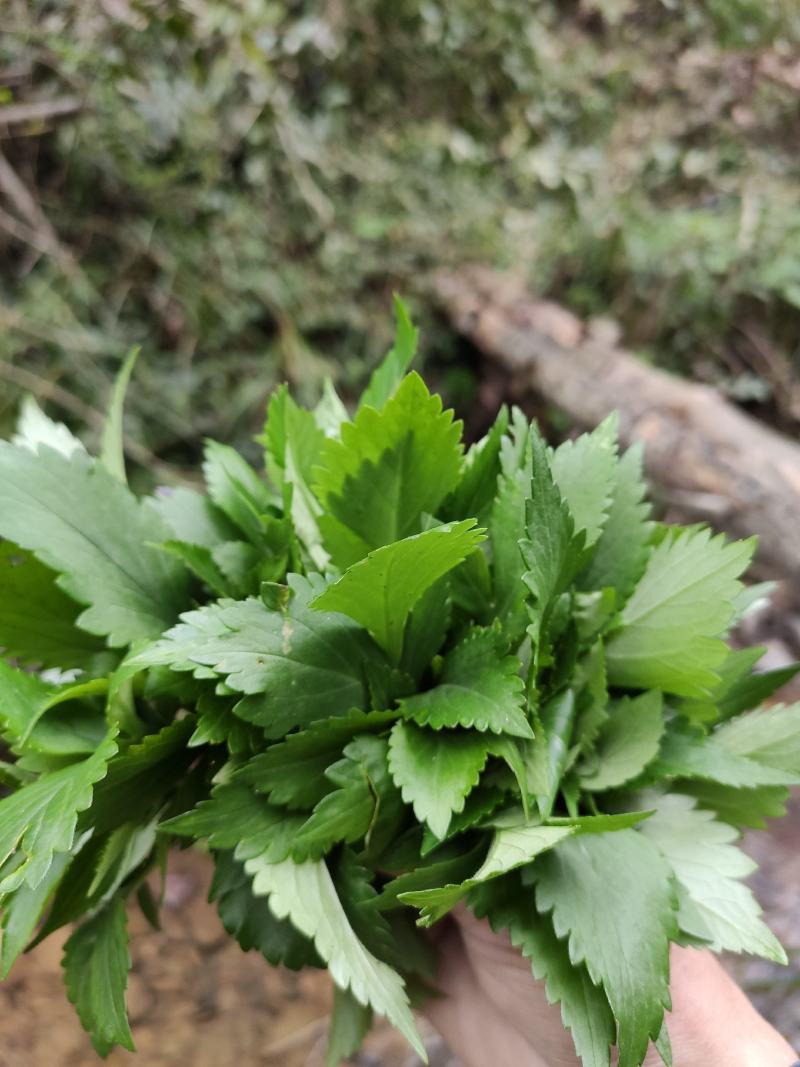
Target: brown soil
[196,999]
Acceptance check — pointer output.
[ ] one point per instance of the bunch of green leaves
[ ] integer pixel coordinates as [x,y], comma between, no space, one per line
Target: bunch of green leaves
[385,677]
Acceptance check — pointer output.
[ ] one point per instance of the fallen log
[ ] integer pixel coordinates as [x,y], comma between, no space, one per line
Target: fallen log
[707,456]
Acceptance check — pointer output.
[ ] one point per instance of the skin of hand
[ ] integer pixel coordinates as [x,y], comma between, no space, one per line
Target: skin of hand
[493,1013]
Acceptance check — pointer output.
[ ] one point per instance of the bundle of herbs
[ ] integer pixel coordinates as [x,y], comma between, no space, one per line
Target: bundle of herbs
[389,677]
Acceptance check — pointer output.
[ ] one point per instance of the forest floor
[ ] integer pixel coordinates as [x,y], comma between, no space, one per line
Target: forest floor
[195,998]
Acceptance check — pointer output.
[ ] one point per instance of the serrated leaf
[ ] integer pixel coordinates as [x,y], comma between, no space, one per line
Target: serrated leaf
[292,773]
[112,451]
[140,777]
[620,556]
[24,702]
[671,627]
[343,814]
[380,591]
[713,904]
[686,753]
[83,523]
[304,893]
[436,771]
[737,806]
[37,619]
[23,910]
[330,411]
[478,687]
[293,441]
[200,561]
[388,375]
[353,883]
[552,550]
[192,517]
[234,817]
[217,725]
[295,666]
[249,920]
[627,743]
[510,848]
[546,758]
[96,964]
[584,471]
[581,883]
[453,868]
[236,489]
[506,530]
[753,689]
[388,470]
[40,819]
[770,736]
[34,429]
[585,1010]
[515,846]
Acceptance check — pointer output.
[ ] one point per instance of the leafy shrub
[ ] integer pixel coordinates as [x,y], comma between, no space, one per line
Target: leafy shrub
[388,676]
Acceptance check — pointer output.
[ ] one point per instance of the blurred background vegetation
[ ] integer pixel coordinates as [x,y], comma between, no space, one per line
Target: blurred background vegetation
[239,186]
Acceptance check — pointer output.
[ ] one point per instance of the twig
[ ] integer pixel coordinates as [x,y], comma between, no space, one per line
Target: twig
[20,197]
[39,111]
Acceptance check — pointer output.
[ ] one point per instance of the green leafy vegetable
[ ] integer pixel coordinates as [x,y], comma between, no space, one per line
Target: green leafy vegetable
[371,712]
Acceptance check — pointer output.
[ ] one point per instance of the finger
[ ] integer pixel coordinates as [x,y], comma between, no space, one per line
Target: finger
[506,980]
[473,1028]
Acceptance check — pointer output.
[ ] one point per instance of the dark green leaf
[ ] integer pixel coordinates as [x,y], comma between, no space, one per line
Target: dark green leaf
[96,964]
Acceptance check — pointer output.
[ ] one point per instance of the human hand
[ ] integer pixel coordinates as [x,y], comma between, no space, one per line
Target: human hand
[493,1012]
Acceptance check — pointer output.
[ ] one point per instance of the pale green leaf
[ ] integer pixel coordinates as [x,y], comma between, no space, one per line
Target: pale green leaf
[620,556]
[82,522]
[687,753]
[627,743]
[770,736]
[714,904]
[551,549]
[582,883]
[236,489]
[40,819]
[34,429]
[671,627]
[305,894]
[249,920]
[584,471]
[506,530]
[23,909]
